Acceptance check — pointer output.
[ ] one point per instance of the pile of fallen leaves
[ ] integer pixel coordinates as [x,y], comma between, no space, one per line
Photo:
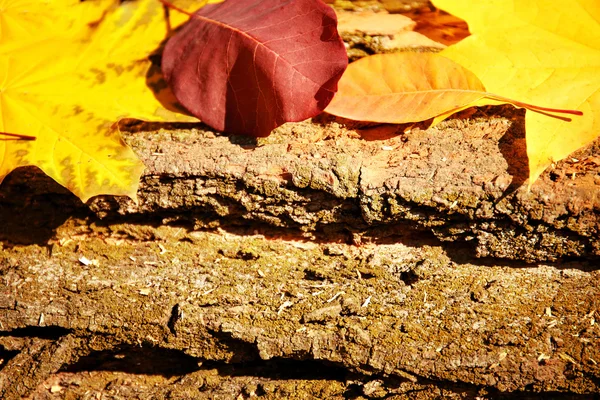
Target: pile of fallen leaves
[69,70]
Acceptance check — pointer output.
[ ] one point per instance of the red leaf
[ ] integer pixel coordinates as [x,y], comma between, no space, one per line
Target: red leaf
[248,66]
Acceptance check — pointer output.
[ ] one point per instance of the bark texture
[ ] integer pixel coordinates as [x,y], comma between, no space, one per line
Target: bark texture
[330,260]
[462,181]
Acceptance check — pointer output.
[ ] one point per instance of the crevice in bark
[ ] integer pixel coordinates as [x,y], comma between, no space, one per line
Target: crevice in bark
[136,360]
[495,395]
[6,356]
[39,332]
[172,363]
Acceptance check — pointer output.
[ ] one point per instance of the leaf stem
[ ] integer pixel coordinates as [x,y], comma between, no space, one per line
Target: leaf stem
[18,136]
[174,7]
[533,107]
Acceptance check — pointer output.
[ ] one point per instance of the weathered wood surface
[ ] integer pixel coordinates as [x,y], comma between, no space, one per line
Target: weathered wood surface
[463,181]
[327,260]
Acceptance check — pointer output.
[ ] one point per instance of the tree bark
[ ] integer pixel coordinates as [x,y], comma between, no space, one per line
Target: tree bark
[330,259]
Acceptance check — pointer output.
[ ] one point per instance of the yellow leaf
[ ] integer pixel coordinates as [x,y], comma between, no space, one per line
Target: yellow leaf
[74,145]
[544,52]
[69,90]
[25,20]
[115,74]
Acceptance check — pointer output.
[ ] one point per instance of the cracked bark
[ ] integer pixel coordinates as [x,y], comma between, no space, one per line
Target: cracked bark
[315,249]
[463,182]
[37,360]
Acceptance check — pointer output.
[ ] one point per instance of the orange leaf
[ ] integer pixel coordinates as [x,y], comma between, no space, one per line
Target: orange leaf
[406,87]
[403,87]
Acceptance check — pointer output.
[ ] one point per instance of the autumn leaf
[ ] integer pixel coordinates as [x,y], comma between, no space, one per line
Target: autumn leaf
[393,31]
[439,26]
[33,20]
[409,87]
[248,66]
[542,52]
[374,23]
[403,87]
[69,86]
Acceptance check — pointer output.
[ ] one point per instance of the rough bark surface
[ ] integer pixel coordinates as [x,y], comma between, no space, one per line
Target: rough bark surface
[332,259]
[327,260]
[463,181]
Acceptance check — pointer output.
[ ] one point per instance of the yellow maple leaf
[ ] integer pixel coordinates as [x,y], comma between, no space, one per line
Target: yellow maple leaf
[544,52]
[70,88]
[25,20]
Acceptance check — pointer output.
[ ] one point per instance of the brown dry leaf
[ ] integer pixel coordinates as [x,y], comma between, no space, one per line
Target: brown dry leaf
[407,40]
[402,6]
[372,23]
[439,26]
[397,29]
